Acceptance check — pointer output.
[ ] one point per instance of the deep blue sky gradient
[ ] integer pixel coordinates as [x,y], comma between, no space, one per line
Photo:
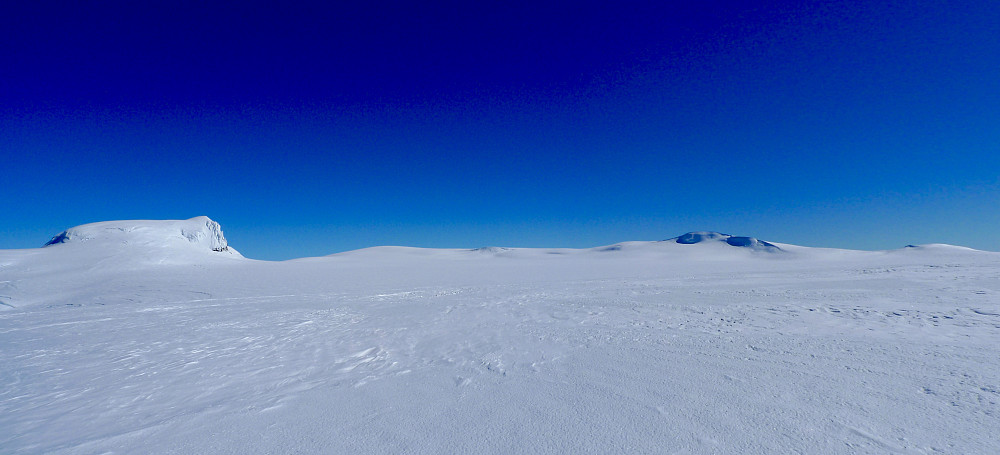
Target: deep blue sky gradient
[309,130]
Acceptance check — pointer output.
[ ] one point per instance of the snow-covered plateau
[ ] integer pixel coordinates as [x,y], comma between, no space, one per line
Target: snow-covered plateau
[158,337]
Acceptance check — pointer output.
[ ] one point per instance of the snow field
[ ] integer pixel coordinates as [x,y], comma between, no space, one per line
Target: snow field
[648,348]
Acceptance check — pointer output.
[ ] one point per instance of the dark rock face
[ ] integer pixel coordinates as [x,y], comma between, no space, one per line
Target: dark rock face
[741,241]
[61,238]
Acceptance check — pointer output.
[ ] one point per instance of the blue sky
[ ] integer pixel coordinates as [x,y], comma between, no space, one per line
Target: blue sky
[310,130]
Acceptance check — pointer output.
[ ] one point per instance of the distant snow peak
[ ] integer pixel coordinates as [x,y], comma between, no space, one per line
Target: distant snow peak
[692,238]
[699,236]
[199,232]
[937,247]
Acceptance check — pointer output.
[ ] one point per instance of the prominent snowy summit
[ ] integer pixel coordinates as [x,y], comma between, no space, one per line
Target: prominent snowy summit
[692,238]
[200,233]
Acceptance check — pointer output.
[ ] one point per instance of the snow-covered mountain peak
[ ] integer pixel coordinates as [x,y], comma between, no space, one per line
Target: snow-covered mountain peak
[695,237]
[200,233]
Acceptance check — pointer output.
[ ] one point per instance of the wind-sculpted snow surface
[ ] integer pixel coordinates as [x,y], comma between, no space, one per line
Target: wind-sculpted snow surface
[639,347]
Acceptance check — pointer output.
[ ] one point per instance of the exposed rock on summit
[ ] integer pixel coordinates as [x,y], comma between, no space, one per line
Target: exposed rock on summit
[692,238]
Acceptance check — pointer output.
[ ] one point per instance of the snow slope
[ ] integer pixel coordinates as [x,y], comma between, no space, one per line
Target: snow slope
[138,337]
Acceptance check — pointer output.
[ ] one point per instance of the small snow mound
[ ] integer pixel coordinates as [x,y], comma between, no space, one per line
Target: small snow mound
[752,243]
[200,232]
[938,247]
[490,250]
